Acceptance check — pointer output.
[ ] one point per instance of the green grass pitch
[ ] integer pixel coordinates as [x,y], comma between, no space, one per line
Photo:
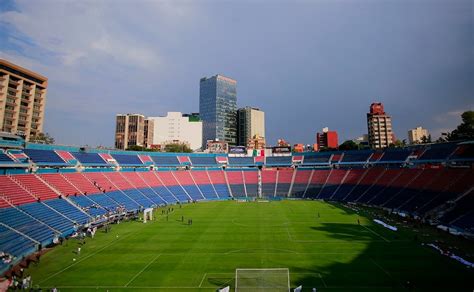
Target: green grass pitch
[331,253]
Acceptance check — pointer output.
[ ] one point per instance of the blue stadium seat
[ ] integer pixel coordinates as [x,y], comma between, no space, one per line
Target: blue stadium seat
[317,158]
[356,156]
[27,225]
[241,161]
[153,196]
[88,205]
[14,244]
[179,193]
[5,158]
[208,192]
[89,158]
[68,210]
[438,152]
[127,159]
[279,160]
[203,161]
[43,156]
[165,194]
[104,201]
[395,155]
[49,217]
[123,200]
[138,197]
[222,191]
[165,160]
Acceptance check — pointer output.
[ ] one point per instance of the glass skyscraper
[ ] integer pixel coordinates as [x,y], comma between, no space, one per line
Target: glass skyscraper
[218,109]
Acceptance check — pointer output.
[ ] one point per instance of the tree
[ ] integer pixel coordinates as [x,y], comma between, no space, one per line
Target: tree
[178,147]
[465,131]
[136,148]
[349,145]
[426,140]
[42,138]
[398,144]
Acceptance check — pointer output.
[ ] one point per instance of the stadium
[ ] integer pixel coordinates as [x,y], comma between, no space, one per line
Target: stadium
[77,219]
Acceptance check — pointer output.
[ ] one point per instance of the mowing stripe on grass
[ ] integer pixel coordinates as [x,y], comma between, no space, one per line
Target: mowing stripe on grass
[85,258]
[142,270]
[375,233]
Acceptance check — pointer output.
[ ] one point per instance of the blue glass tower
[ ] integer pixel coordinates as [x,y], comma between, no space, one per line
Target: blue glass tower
[218,109]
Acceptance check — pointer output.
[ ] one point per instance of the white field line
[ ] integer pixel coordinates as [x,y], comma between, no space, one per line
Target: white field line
[322,280]
[375,233]
[381,268]
[142,270]
[85,258]
[203,277]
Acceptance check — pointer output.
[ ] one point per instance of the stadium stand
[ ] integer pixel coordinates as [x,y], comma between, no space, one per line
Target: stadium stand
[60,183]
[251,182]
[333,181]
[125,159]
[464,152]
[43,156]
[278,161]
[66,156]
[15,193]
[89,158]
[4,158]
[14,243]
[241,161]
[49,217]
[35,186]
[301,181]
[236,183]
[356,157]
[28,225]
[269,180]
[284,179]
[173,186]
[394,156]
[350,181]
[165,160]
[203,182]
[219,181]
[317,182]
[186,181]
[317,159]
[438,152]
[80,182]
[203,161]
[145,159]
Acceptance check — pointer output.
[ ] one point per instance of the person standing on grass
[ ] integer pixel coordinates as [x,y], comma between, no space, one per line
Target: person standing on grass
[78,251]
[358,221]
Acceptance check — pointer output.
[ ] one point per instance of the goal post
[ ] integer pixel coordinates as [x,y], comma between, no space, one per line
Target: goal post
[147,214]
[250,280]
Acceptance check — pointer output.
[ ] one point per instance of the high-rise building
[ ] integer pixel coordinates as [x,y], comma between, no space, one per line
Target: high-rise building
[379,126]
[22,100]
[130,131]
[218,109]
[148,132]
[250,123]
[327,139]
[416,135]
[178,128]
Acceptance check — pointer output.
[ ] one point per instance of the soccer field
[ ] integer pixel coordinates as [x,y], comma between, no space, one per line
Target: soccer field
[330,252]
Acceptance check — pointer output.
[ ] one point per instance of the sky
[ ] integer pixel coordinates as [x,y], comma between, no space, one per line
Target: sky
[307,64]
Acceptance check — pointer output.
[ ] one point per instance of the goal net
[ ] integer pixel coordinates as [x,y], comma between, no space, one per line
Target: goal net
[249,280]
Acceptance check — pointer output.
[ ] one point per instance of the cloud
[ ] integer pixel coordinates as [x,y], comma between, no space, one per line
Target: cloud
[74,30]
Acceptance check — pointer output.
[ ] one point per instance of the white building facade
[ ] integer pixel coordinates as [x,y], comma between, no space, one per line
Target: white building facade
[176,127]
